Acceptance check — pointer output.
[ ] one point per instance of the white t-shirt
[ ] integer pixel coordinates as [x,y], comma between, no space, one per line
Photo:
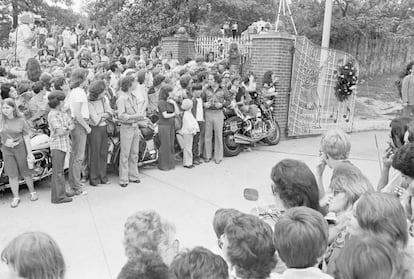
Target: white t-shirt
[78,95]
[302,273]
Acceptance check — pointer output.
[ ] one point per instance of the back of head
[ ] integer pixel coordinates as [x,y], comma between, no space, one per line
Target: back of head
[368,257]
[336,144]
[96,88]
[301,237]
[164,92]
[399,126]
[35,255]
[144,232]
[295,184]
[148,266]
[37,87]
[33,69]
[404,160]
[250,247]
[77,77]
[198,263]
[382,215]
[222,218]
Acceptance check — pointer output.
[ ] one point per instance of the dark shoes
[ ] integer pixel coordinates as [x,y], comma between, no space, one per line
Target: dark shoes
[197,162]
[64,200]
[135,181]
[123,185]
[189,167]
[207,160]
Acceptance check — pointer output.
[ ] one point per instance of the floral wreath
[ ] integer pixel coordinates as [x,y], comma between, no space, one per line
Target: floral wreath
[346,81]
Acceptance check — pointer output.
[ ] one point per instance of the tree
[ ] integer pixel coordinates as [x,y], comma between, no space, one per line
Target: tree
[103,11]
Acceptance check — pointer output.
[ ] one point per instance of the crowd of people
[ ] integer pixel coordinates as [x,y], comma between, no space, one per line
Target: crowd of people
[347,230]
[352,231]
[84,91]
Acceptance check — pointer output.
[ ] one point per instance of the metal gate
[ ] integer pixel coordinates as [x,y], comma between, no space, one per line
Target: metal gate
[313,107]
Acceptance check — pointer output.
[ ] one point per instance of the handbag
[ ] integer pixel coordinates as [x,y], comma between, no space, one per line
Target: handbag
[178,121]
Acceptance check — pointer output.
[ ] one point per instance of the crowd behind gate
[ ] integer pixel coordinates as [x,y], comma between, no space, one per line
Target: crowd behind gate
[348,229]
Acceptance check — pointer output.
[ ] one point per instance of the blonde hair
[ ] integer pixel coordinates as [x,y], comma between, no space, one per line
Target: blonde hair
[336,144]
[348,178]
[145,231]
[35,255]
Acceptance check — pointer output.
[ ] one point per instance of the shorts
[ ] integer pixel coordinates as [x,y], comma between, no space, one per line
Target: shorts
[15,161]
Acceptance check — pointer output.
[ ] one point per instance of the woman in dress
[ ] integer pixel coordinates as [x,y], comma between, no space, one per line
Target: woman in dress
[167,111]
[16,149]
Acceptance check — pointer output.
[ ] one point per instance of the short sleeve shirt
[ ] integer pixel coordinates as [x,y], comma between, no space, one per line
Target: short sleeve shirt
[164,106]
[14,129]
[78,95]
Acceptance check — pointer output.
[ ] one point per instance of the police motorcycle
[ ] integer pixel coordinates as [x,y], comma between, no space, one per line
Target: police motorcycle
[42,167]
[263,127]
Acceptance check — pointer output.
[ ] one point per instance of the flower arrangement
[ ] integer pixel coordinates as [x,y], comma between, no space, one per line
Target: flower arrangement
[347,79]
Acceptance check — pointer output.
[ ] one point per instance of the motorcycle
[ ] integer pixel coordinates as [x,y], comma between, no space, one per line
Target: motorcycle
[238,130]
[148,148]
[41,152]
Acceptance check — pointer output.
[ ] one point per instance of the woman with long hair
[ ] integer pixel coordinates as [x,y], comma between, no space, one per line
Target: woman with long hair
[16,149]
[33,69]
[100,111]
[234,58]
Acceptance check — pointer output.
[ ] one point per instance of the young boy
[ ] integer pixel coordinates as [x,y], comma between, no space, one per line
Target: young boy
[301,238]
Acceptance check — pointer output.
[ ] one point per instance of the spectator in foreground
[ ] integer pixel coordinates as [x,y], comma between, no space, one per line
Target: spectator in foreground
[248,248]
[198,263]
[369,257]
[34,255]
[301,238]
[149,266]
[146,232]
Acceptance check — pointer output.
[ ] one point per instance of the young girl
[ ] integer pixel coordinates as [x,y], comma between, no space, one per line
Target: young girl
[34,255]
[16,149]
[187,132]
[60,126]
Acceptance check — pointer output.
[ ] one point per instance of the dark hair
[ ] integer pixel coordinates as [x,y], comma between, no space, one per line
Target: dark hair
[369,257]
[146,266]
[185,81]
[167,66]
[3,72]
[267,78]
[404,160]
[96,88]
[141,76]
[126,82]
[113,67]
[250,247]
[77,77]
[164,92]
[295,183]
[247,77]
[58,83]
[55,97]
[5,90]
[37,87]
[301,237]
[158,79]
[33,69]
[156,62]
[188,59]
[222,218]
[122,60]
[399,126]
[198,263]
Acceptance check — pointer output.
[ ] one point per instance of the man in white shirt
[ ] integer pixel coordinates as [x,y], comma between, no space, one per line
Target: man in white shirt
[24,38]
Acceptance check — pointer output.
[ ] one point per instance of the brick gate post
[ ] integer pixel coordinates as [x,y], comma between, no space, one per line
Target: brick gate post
[273,52]
[182,47]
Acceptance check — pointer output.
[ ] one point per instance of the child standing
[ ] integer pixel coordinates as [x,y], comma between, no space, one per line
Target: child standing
[186,133]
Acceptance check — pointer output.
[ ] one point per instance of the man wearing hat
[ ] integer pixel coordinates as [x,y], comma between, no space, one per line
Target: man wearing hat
[24,39]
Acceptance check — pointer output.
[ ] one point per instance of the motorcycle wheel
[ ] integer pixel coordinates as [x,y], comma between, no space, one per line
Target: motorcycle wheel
[230,147]
[275,137]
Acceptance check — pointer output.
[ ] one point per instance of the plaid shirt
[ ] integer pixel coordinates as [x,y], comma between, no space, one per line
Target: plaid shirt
[59,120]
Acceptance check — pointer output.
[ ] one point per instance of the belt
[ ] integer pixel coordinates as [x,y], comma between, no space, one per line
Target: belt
[135,124]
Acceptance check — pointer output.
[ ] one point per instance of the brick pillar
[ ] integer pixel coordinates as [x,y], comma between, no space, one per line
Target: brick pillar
[181,48]
[273,52]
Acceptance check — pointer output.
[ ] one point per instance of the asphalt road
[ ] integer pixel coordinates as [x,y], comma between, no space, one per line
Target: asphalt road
[90,229]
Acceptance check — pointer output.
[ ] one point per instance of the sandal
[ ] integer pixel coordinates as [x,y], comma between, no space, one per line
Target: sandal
[33,196]
[15,202]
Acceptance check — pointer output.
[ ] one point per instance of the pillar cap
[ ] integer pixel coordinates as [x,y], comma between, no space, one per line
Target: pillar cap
[273,35]
[178,38]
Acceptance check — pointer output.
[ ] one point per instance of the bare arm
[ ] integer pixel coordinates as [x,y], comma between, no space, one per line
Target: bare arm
[79,117]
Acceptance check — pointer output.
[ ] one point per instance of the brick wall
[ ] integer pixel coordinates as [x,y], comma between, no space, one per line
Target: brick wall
[273,52]
[181,48]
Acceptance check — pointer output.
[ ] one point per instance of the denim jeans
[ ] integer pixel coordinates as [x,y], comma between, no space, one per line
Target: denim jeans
[78,136]
[98,154]
[128,158]
[214,125]
[58,175]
